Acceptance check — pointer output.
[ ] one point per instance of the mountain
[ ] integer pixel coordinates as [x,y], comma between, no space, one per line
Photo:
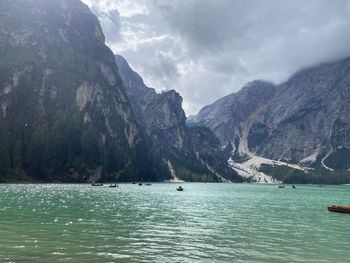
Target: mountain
[65,115]
[224,116]
[192,154]
[72,112]
[299,128]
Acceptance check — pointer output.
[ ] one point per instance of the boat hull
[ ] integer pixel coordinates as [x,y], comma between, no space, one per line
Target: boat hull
[339,209]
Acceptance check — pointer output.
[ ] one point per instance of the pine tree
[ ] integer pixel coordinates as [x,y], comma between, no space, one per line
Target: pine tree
[4,150]
[17,156]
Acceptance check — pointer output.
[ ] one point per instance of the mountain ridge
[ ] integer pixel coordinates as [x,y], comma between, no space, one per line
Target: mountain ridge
[303,121]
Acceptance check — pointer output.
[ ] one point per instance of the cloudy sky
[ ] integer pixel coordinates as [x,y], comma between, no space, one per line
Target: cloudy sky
[206,49]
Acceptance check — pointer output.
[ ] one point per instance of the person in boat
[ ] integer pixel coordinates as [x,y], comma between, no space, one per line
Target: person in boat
[179,188]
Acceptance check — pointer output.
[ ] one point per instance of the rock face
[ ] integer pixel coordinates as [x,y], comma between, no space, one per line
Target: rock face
[303,121]
[309,116]
[192,153]
[224,116]
[140,96]
[65,115]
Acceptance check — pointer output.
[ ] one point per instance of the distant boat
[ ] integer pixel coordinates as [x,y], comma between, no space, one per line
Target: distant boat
[293,186]
[179,189]
[281,186]
[148,184]
[113,186]
[140,184]
[97,184]
[339,208]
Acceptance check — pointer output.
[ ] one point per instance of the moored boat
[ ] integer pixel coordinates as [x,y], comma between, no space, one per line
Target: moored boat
[113,186]
[96,184]
[339,208]
[179,189]
[281,186]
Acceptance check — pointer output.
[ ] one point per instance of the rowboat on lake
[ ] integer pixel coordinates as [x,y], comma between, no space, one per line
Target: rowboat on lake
[339,208]
[179,189]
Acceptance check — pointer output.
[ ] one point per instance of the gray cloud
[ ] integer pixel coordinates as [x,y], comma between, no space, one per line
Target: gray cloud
[206,49]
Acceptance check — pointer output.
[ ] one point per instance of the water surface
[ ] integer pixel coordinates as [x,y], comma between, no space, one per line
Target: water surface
[205,223]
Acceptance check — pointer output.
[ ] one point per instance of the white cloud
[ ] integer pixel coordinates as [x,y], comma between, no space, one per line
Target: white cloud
[206,49]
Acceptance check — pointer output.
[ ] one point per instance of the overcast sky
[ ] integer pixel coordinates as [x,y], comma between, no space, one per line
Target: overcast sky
[206,49]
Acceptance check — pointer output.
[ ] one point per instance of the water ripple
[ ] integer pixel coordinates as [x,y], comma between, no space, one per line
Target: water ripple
[205,223]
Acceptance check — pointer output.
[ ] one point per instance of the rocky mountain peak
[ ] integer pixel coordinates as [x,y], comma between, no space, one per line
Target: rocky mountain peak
[303,121]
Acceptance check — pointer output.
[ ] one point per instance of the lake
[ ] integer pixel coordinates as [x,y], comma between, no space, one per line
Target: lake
[205,223]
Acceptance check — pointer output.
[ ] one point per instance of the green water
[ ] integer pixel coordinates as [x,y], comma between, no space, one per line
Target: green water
[205,223]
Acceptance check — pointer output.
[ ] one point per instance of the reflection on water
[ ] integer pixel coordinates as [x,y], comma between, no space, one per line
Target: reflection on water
[205,223]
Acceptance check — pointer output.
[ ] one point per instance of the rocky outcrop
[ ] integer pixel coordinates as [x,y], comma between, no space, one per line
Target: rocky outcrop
[165,118]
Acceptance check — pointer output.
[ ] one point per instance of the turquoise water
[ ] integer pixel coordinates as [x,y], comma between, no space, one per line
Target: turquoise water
[205,223]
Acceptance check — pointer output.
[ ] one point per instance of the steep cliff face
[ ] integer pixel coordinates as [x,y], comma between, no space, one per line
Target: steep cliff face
[191,153]
[160,114]
[165,118]
[64,112]
[303,121]
[139,94]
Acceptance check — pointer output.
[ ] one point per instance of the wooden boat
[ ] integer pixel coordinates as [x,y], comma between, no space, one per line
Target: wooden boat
[339,208]
[179,189]
[96,184]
